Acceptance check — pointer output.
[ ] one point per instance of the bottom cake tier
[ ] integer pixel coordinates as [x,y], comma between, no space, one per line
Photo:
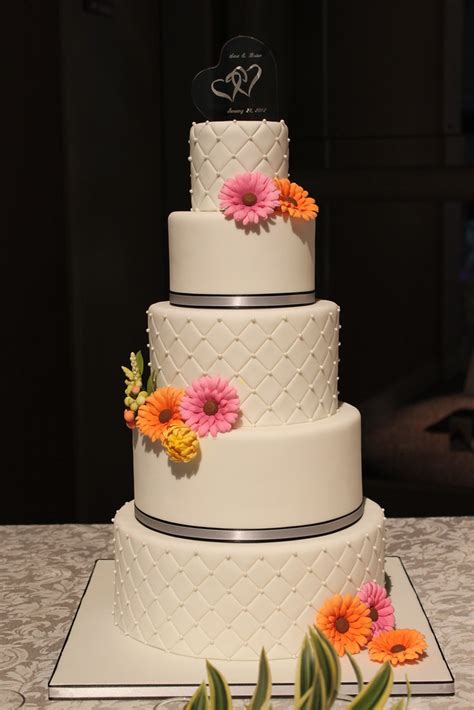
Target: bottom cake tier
[221,600]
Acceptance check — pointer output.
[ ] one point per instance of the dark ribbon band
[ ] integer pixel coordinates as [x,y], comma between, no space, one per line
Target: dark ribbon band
[297,532]
[264,300]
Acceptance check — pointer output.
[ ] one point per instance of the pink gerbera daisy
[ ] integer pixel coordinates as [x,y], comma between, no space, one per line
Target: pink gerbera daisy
[210,405]
[249,197]
[381,609]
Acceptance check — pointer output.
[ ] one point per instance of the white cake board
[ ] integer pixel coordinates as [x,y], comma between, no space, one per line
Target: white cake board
[99,661]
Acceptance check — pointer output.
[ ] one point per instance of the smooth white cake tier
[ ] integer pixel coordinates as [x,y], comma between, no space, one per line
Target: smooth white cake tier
[226,600]
[283,362]
[221,149]
[210,254]
[256,478]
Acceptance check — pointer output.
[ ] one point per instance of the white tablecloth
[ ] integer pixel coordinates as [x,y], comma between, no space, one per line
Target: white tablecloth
[44,570]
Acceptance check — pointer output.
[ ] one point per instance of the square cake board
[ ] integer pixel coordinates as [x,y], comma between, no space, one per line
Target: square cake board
[99,661]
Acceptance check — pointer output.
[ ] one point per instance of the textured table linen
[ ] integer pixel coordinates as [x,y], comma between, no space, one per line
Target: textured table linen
[44,570]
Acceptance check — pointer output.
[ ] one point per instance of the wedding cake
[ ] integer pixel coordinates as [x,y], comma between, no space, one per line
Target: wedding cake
[248,509]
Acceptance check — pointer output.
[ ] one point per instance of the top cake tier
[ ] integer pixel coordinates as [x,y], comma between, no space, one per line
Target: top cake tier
[222,149]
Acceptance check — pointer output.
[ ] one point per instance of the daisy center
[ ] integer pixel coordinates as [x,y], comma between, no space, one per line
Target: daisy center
[249,199]
[373,613]
[291,200]
[210,407]
[398,648]
[342,625]
[165,415]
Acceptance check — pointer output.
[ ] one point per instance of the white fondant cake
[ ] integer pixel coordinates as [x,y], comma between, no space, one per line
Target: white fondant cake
[237,548]
[283,361]
[272,477]
[230,259]
[220,149]
[227,600]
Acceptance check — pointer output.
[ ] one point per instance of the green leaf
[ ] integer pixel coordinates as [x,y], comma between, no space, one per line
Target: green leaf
[199,700]
[305,670]
[301,704]
[263,690]
[140,363]
[220,693]
[400,705]
[376,693]
[320,698]
[150,386]
[127,372]
[356,669]
[328,663]
[408,690]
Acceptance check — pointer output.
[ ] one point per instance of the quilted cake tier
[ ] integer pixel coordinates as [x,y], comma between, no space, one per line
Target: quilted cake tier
[254,479]
[226,600]
[221,149]
[282,361]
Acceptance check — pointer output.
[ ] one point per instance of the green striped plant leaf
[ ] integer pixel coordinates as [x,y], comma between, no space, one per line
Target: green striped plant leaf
[305,670]
[301,703]
[408,690]
[315,697]
[356,669]
[199,700]
[376,693]
[262,695]
[220,693]
[328,663]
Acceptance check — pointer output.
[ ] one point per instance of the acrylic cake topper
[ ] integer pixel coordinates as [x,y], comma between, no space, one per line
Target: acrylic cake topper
[243,85]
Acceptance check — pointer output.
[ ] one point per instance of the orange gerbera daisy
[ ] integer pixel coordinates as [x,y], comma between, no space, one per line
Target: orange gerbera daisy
[294,200]
[346,623]
[397,646]
[161,410]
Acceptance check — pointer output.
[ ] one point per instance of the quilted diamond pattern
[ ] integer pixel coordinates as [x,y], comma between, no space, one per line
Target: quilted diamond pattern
[283,362]
[222,149]
[217,600]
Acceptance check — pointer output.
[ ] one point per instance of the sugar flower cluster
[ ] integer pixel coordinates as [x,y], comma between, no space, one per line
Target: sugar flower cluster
[253,197]
[367,619]
[178,417]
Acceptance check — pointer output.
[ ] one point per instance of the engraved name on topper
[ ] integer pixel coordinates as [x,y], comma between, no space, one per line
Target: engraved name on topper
[240,79]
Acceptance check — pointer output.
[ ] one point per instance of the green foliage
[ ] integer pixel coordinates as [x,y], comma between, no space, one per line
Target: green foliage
[263,691]
[220,693]
[140,363]
[318,675]
[376,693]
[199,701]
[305,672]
[356,669]
[328,664]
[150,385]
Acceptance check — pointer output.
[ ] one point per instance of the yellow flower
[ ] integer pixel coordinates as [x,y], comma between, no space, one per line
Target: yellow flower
[180,443]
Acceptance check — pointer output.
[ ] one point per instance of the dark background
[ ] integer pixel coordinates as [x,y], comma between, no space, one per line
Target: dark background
[379,98]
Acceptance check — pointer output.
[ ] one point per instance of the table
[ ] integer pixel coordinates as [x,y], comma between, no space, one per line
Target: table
[44,570]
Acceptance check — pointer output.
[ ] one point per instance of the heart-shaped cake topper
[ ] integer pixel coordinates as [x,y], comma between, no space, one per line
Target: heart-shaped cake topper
[242,85]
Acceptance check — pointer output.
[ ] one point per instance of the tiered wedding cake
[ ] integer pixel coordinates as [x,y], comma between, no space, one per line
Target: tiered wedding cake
[237,548]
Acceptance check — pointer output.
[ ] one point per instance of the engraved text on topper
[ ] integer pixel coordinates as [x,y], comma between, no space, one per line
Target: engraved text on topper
[239,77]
